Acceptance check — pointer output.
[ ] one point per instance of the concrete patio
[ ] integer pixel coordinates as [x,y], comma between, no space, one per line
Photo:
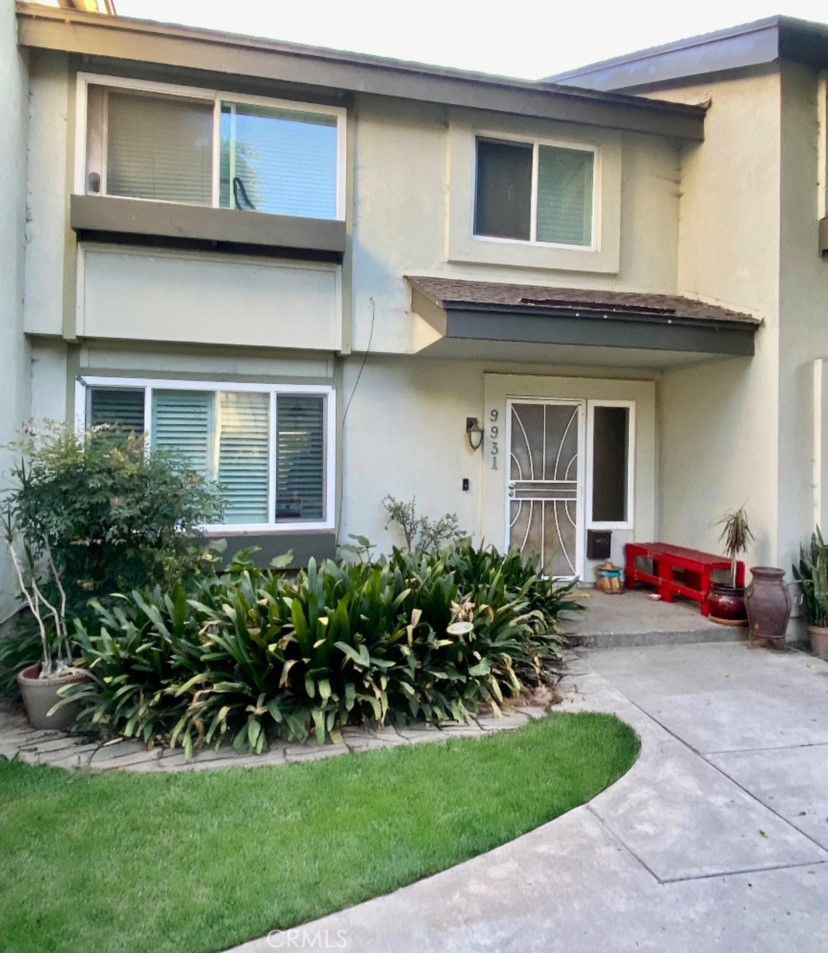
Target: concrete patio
[634,618]
[716,838]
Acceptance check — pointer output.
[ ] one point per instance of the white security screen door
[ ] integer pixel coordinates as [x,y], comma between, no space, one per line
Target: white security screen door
[545,487]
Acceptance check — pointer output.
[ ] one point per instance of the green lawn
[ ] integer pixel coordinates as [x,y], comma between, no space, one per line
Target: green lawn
[201,861]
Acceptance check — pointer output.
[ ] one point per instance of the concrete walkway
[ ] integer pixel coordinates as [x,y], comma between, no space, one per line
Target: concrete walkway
[716,839]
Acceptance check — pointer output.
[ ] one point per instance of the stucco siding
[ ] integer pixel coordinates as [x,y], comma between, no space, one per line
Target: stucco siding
[14,357]
[719,422]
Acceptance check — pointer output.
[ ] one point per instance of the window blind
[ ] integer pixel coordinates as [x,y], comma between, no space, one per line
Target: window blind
[565,196]
[244,457]
[159,148]
[300,449]
[503,197]
[116,407]
[286,161]
[182,422]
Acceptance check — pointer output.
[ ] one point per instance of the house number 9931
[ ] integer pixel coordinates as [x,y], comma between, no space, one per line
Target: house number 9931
[494,437]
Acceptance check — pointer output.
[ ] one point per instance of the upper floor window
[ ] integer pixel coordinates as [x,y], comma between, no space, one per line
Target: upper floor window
[530,191]
[170,144]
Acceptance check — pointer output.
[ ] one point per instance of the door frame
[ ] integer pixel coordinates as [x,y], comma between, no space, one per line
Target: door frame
[499,386]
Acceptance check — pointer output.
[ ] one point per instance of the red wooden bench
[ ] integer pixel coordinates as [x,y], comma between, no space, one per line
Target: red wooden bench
[666,560]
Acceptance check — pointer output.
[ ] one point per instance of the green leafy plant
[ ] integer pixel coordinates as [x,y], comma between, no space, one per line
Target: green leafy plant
[242,656]
[812,575]
[96,512]
[735,537]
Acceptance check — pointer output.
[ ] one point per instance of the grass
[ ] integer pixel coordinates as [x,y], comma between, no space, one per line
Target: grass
[204,860]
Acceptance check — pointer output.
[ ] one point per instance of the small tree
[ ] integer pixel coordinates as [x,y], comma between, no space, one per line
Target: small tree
[735,536]
[97,512]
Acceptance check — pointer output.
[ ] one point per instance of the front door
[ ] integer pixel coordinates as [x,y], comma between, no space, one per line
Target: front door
[545,487]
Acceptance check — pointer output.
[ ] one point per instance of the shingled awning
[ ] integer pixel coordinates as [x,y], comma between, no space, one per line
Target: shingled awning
[535,314]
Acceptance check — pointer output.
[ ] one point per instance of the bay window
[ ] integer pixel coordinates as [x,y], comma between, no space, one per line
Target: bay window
[195,147]
[269,447]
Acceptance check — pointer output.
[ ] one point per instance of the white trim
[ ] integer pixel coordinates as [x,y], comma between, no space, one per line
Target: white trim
[83,382]
[509,138]
[629,522]
[217,96]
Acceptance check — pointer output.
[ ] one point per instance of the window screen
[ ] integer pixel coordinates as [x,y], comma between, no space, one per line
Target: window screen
[300,439]
[564,196]
[116,407]
[503,196]
[610,454]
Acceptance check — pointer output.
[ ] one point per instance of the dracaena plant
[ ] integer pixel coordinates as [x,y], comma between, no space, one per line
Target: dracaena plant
[735,537]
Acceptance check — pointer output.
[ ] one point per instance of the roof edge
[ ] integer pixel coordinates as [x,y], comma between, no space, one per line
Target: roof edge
[174,45]
[758,43]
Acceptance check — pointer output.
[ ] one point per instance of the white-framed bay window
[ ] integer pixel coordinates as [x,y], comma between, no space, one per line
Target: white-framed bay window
[270,447]
[160,142]
[610,464]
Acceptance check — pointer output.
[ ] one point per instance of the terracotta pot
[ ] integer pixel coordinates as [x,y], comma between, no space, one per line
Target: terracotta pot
[768,603]
[726,604]
[819,640]
[41,694]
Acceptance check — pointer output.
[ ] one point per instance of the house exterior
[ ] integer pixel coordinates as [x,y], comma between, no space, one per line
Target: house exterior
[753,236]
[327,277]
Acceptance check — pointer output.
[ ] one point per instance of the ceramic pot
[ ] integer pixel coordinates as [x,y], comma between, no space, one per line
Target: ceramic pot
[41,694]
[768,603]
[726,604]
[819,640]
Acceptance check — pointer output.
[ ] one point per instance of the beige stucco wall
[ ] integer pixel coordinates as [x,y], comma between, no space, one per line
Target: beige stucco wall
[179,296]
[405,436]
[50,241]
[804,310]
[718,422]
[406,213]
[14,358]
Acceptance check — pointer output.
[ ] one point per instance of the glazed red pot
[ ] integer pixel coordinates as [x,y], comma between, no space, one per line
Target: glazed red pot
[726,604]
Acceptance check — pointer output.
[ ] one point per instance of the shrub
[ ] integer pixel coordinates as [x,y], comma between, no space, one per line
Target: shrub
[252,653]
[109,514]
[422,533]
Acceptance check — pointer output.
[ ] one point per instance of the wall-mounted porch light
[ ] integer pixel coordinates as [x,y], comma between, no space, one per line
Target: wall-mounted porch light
[474,433]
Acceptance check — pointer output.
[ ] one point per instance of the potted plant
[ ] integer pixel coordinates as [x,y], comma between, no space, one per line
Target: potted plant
[726,600]
[42,684]
[812,575]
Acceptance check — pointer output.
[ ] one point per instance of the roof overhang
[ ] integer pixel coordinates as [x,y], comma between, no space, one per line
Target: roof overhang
[749,45]
[113,39]
[462,311]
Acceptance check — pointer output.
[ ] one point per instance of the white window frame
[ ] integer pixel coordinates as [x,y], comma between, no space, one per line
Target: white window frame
[590,433]
[509,139]
[84,382]
[84,80]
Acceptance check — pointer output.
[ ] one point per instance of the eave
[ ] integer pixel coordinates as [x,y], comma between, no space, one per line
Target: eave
[596,324]
[118,39]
